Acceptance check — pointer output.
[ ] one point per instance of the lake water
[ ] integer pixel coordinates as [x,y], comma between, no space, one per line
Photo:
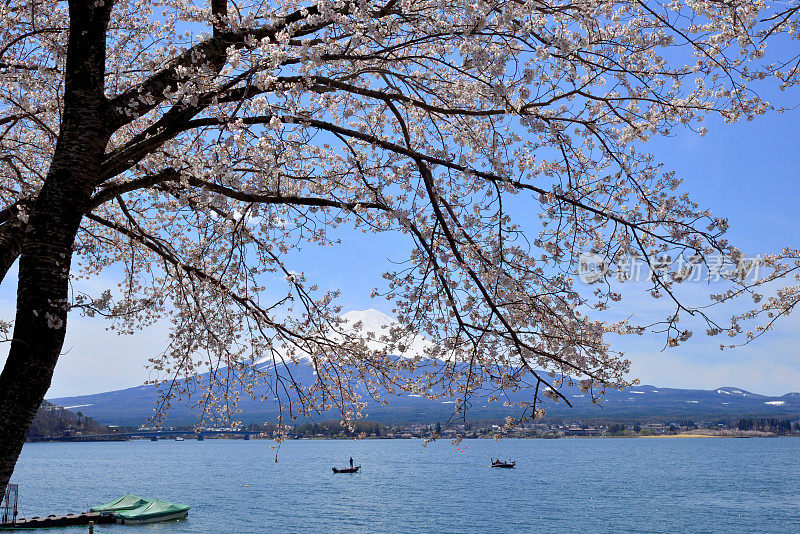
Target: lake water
[595,485]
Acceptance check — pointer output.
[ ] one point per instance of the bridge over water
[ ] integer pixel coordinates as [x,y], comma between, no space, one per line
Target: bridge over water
[198,434]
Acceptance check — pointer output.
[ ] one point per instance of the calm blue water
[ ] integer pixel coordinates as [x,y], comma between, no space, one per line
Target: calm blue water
[596,485]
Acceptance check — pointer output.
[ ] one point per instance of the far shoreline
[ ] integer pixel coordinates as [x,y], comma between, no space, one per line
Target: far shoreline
[87,439]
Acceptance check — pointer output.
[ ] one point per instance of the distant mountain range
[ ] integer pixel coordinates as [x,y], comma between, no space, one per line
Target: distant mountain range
[132,407]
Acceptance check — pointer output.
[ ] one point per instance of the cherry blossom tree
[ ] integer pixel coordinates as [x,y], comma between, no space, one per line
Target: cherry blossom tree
[187,148]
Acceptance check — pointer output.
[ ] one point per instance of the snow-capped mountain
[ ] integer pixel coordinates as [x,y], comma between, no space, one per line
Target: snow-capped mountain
[379,324]
[371,319]
[134,405]
[372,325]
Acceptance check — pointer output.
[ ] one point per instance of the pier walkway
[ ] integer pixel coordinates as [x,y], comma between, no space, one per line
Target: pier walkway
[60,521]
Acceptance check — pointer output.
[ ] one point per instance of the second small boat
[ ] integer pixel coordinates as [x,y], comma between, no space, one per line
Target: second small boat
[347,469]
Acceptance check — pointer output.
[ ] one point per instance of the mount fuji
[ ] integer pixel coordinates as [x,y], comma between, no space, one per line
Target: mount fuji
[133,406]
[375,324]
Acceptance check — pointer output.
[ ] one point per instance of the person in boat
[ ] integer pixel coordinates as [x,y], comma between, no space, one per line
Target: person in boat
[351,462]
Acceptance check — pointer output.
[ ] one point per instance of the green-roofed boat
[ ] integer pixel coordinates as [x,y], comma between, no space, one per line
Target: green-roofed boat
[155,510]
[126,502]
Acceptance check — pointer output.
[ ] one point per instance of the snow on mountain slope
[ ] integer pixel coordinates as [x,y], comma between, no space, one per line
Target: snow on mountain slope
[379,324]
[372,320]
[374,324]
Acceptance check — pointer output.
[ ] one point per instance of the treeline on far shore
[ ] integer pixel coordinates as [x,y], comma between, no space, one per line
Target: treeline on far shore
[769,424]
[335,429]
[54,422]
[748,427]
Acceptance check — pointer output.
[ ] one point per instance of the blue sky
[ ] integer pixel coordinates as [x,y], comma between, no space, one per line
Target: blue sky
[747,172]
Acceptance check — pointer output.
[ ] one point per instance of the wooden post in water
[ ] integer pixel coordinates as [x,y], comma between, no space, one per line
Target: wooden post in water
[91,527]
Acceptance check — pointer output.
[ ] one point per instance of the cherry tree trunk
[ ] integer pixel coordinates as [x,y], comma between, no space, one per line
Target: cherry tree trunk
[11,236]
[55,216]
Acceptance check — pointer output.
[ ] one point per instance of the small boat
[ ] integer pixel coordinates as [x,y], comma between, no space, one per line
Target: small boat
[126,502]
[178,438]
[507,465]
[155,510]
[154,438]
[347,469]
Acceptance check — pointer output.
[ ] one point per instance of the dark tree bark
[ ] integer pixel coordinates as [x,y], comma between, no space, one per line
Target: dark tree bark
[12,233]
[54,219]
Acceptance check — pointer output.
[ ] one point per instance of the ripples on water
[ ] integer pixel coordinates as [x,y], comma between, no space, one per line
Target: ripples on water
[594,485]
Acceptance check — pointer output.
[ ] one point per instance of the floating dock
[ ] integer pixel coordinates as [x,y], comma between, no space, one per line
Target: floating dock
[60,521]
